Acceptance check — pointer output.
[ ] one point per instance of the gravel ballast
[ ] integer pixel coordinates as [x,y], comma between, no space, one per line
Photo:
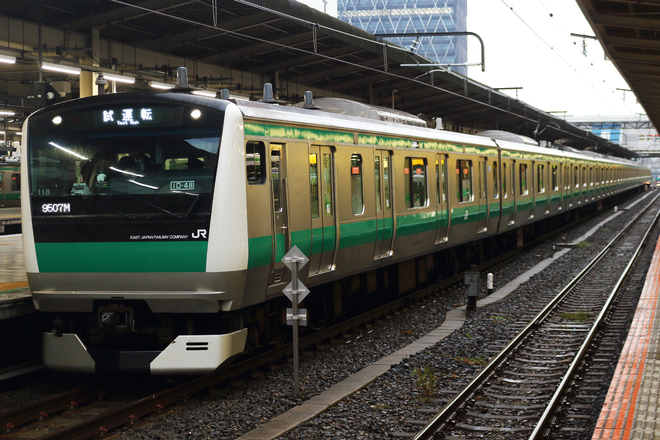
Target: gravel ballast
[381,409]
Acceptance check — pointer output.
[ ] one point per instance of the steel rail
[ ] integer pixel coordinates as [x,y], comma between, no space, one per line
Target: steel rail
[555,401]
[444,416]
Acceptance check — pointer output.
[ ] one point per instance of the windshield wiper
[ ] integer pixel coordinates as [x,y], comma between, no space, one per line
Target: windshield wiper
[128,216]
[160,208]
[198,197]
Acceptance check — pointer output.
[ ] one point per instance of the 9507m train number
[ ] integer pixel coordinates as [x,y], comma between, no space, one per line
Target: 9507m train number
[55,208]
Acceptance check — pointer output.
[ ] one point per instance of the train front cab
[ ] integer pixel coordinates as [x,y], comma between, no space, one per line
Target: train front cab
[143,287]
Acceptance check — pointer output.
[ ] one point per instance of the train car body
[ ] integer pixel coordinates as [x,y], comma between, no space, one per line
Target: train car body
[153,222]
[10,184]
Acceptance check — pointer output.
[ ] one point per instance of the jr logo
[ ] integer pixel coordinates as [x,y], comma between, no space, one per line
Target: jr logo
[201,233]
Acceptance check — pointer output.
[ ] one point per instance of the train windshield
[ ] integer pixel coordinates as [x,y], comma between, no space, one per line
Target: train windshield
[162,155]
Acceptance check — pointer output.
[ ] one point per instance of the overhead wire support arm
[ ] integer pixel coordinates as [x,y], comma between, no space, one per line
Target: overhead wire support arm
[441,34]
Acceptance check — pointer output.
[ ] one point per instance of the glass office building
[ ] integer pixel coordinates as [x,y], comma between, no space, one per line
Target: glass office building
[410,17]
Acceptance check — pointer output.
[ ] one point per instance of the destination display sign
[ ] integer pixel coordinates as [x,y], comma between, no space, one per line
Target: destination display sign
[133,117]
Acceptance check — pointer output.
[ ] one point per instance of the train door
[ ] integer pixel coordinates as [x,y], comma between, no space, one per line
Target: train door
[324,226]
[482,205]
[281,233]
[384,208]
[441,176]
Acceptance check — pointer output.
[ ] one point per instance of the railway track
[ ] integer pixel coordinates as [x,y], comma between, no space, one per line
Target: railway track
[530,384]
[96,412]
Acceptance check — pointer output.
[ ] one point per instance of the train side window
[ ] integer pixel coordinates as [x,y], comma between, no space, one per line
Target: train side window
[441,179]
[327,185]
[576,180]
[415,178]
[254,154]
[275,160]
[483,182]
[443,165]
[513,179]
[314,185]
[523,179]
[437,180]
[555,178]
[377,183]
[357,201]
[386,182]
[540,168]
[464,174]
[505,194]
[496,187]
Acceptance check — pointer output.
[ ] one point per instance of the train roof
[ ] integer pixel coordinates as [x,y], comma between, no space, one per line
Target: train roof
[339,121]
[342,121]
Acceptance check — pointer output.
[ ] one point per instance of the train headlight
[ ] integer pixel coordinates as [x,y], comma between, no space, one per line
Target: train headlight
[57,120]
[196,114]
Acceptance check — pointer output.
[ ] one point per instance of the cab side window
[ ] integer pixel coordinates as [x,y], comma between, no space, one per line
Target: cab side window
[254,162]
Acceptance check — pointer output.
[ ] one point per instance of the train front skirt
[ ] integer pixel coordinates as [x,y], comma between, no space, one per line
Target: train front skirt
[188,354]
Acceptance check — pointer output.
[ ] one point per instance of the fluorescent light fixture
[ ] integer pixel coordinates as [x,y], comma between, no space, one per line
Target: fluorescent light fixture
[160,85]
[118,78]
[6,113]
[7,59]
[207,93]
[61,68]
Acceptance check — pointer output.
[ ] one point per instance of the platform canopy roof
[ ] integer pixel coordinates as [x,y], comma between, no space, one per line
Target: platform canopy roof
[628,30]
[296,47]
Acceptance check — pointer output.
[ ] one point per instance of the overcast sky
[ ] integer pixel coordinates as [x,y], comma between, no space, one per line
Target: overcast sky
[528,44]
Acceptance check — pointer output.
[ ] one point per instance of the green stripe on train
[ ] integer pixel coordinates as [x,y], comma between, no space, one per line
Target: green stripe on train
[415,223]
[357,233]
[158,256]
[467,214]
[261,248]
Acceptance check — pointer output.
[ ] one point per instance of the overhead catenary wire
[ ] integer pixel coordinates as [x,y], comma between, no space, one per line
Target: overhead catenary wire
[384,45]
[596,86]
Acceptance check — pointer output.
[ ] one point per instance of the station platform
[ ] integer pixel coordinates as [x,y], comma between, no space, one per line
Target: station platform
[631,408]
[15,295]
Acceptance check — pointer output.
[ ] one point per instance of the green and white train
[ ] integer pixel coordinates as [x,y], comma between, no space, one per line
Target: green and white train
[10,184]
[154,224]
